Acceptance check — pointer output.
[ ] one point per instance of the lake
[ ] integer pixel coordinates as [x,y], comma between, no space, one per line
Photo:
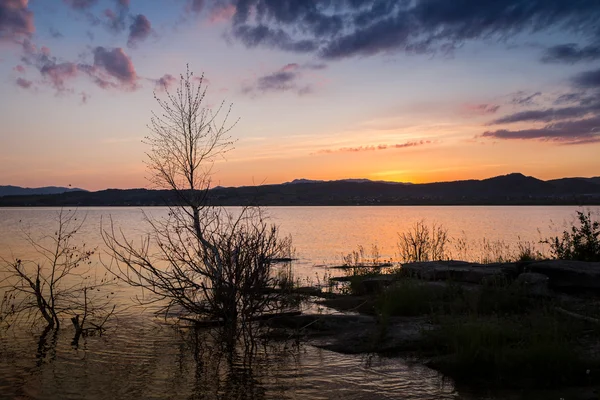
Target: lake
[143,357]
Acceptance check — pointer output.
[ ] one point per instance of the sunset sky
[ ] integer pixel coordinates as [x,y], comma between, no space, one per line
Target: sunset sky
[402,90]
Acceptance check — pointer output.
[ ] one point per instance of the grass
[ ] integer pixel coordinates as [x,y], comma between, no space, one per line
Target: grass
[410,297]
[538,350]
[494,336]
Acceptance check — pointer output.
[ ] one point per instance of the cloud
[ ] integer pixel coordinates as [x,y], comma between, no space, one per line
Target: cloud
[139,30]
[81,4]
[287,78]
[57,74]
[567,132]
[588,79]
[117,65]
[549,114]
[360,149]
[252,36]
[522,98]
[111,68]
[16,19]
[165,82]
[55,33]
[349,28]
[482,109]
[221,13]
[195,6]
[24,83]
[20,69]
[571,53]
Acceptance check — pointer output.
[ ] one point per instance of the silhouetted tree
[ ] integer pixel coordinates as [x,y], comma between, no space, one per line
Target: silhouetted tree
[201,259]
[60,283]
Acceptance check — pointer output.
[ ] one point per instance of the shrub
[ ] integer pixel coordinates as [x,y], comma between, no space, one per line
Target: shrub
[423,243]
[581,243]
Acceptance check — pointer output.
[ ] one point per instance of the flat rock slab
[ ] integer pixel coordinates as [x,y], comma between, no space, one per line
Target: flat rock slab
[459,271]
[569,275]
[400,334]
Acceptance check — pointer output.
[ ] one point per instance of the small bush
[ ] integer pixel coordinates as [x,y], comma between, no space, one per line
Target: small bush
[423,243]
[581,243]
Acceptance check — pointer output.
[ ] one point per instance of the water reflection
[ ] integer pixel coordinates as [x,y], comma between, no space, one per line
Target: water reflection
[137,359]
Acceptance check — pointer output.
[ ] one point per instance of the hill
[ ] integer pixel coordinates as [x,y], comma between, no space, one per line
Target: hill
[512,189]
[21,191]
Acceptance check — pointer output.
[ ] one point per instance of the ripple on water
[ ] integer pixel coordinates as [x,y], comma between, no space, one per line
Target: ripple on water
[145,360]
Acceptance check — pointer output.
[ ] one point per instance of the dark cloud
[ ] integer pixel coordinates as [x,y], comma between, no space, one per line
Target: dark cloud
[24,83]
[285,79]
[253,36]
[16,20]
[567,132]
[571,53]
[139,30]
[364,27]
[588,79]
[375,148]
[81,4]
[548,115]
[522,98]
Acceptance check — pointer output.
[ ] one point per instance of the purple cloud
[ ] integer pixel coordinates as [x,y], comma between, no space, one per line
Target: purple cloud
[111,68]
[195,6]
[568,132]
[117,65]
[24,83]
[80,4]
[165,82]
[285,79]
[139,30]
[482,109]
[547,115]
[16,20]
[522,98]
[57,74]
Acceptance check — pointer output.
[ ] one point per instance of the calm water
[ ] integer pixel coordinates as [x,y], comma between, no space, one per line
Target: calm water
[144,358]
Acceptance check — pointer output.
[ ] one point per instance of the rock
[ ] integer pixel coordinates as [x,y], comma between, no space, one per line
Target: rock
[534,284]
[567,275]
[459,271]
[377,283]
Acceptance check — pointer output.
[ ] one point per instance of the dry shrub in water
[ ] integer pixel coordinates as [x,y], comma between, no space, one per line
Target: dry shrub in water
[61,282]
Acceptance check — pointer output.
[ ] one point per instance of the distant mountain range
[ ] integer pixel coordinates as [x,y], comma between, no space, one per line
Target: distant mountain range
[21,191]
[512,189]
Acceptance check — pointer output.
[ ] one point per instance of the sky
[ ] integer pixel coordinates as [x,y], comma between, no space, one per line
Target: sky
[396,90]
